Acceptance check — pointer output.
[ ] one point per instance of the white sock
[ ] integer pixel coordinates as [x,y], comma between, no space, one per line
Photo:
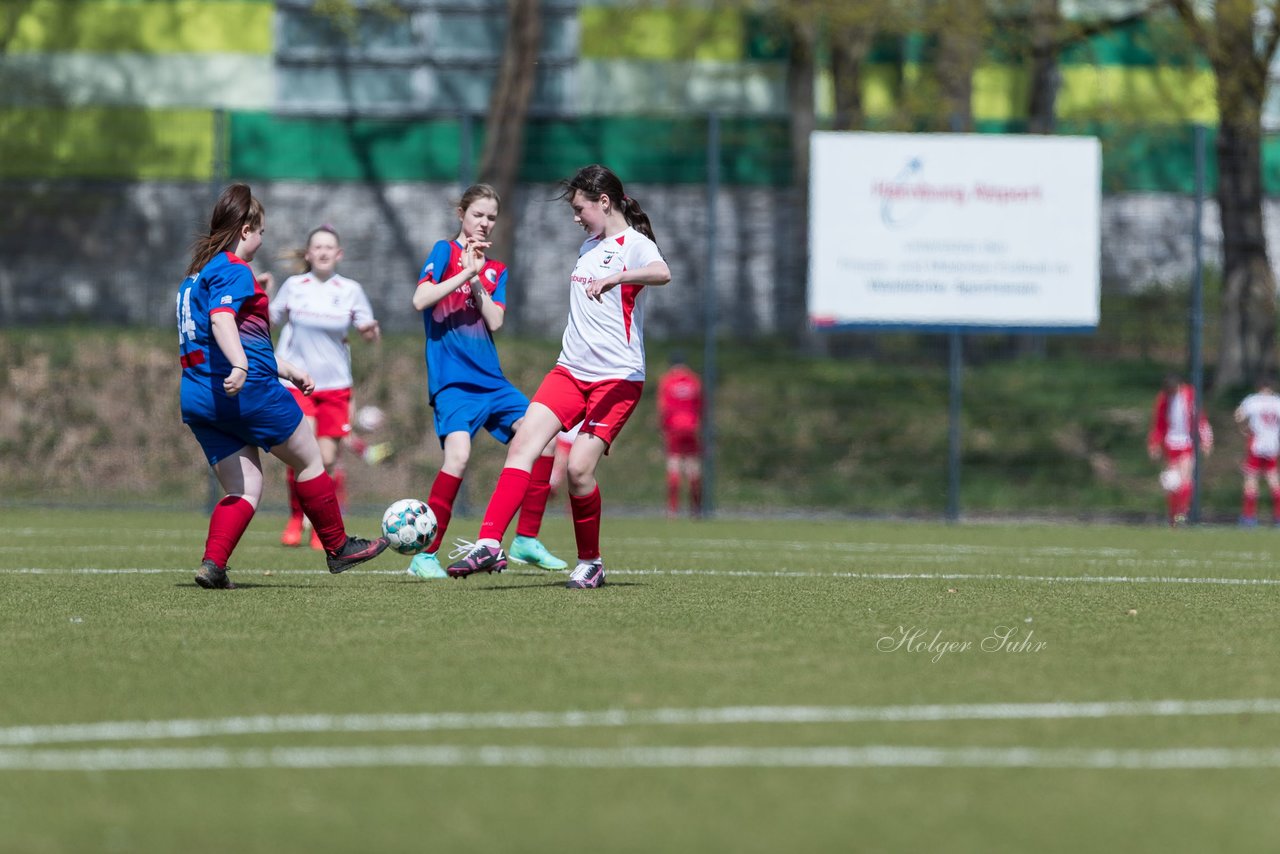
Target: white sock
[493,544]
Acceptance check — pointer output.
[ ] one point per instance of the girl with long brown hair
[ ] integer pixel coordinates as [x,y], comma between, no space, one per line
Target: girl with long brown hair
[232,398]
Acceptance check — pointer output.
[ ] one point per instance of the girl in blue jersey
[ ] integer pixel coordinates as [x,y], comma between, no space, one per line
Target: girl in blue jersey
[232,398]
[462,297]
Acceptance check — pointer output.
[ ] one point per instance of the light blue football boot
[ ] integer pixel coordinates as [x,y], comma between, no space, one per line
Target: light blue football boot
[425,565]
[530,550]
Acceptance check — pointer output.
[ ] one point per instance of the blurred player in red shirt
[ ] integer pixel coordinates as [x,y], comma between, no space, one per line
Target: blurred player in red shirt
[1170,440]
[680,417]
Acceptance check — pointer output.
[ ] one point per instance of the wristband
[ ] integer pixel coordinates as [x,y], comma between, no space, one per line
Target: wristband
[237,367]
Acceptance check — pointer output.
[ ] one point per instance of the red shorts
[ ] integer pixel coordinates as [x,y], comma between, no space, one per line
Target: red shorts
[1258,465]
[682,443]
[603,407]
[331,410]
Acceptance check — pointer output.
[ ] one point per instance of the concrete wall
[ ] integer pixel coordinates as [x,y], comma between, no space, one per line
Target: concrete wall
[115,252]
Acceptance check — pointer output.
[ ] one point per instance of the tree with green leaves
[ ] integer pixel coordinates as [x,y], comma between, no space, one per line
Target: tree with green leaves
[1239,39]
[509,102]
[1039,32]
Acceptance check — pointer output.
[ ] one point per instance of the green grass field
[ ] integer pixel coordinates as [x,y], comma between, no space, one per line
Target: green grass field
[737,686]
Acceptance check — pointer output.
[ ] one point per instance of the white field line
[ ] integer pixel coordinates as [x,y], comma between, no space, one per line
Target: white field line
[91,548]
[977,550]
[954,576]
[495,756]
[719,545]
[727,573]
[791,715]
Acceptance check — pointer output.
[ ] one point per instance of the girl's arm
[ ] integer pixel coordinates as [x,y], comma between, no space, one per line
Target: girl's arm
[492,313]
[371,331]
[362,315]
[294,374]
[653,273]
[227,336]
[430,293]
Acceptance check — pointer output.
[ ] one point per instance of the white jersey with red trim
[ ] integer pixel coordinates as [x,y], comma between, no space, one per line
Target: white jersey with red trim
[1261,412]
[605,340]
[318,315]
[1178,435]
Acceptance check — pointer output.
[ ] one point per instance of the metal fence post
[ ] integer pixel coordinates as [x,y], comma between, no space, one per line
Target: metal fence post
[955,373]
[466,144]
[709,320]
[218,172]
[1196,320]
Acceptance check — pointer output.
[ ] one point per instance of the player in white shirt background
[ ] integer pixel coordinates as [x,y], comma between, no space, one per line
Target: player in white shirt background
[318,307]
[597,378]
[1258,417]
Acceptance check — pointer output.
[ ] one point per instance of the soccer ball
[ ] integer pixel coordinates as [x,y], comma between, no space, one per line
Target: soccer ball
[1170,480]
[370,419]
[409,526]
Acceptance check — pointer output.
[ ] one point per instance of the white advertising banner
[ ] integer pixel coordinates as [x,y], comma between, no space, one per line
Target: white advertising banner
[954,231]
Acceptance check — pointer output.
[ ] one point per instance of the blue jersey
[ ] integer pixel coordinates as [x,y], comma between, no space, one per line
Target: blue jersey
[227,284]
[460,349]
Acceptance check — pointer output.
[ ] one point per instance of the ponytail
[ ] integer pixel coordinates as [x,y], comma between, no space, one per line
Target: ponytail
[636,217]
[595,181]
[235,209]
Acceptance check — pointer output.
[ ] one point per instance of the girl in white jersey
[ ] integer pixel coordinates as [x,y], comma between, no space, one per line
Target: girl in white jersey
[1258,417]
[598,377]
[318,306]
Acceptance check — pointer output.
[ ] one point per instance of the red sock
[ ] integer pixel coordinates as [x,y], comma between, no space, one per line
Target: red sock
[1249,510]
[291,478]
[695,494]
[673,492]
[320,503]
[535,498]
[339,478]
[444,491]
[1184,499]
[586,523]
[508,495]
[230,517]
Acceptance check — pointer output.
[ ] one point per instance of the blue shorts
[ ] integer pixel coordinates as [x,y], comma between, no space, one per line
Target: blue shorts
[273,419]
[459,409]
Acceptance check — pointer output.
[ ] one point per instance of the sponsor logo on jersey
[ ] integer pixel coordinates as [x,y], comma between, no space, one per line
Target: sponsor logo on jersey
[227,300]
[492,275]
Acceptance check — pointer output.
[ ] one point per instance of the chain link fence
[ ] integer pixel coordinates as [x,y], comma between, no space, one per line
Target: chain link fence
[96,234]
